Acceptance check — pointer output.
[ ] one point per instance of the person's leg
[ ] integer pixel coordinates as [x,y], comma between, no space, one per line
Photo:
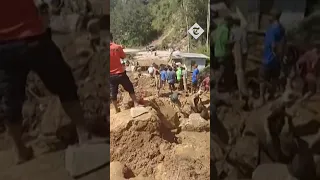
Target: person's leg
[128,86]
[156,79]
[171,87]
[192,87]
[13,75]
[57,76]
[264,76]
[311,85]
[114,88]
[160,87]
[220,75]
[93,45]
[290,78]
[195,87]
[275,81]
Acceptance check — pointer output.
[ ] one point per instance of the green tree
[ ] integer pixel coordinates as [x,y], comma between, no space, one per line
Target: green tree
[134,22]
[131,22]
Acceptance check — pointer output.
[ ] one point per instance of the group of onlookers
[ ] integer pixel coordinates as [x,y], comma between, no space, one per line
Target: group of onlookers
[230,43]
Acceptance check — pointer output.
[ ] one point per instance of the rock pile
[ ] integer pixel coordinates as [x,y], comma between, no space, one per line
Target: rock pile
[157,145]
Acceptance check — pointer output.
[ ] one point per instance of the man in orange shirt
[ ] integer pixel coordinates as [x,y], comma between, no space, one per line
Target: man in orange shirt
[118,75]
[24,46]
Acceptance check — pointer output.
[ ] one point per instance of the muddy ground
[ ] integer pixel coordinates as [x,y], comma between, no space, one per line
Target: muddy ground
[164,143]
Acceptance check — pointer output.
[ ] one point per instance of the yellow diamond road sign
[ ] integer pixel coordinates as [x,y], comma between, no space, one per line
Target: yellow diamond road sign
[195,31]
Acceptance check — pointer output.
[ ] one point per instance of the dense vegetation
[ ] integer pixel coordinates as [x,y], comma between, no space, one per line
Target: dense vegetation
[139,22]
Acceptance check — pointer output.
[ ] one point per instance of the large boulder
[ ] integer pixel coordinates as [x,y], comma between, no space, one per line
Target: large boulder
[272,172]
[194,123]
[136,141]
[245,154]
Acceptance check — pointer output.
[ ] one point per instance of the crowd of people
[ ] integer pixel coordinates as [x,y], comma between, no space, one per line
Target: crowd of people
[279,66]
[176,77]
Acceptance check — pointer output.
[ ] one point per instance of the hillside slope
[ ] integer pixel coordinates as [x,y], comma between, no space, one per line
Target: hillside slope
[159,22]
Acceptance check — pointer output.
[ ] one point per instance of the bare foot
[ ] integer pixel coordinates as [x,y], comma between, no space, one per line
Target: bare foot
[25,156]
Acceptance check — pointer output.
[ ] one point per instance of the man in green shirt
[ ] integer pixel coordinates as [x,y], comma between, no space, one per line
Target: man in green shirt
[223,50]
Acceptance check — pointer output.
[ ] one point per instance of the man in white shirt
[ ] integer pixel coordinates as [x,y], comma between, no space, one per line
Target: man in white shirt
[150,71]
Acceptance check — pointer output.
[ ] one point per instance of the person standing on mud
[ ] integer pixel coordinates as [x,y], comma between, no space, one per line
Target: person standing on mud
[205,84]
[307,67]
[195,79]
[151,70]
[222,51]
[240,52]
[272,57]
[163,77]
[156,75]
[184,78]
[118,75]
[25,46]
[179,77]
[171,78]
[93,27]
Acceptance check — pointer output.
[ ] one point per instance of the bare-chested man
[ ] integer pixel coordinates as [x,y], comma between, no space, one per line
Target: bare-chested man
[308,66]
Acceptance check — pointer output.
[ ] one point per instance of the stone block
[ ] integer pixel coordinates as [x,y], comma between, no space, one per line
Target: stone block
[82,159]
[138,111]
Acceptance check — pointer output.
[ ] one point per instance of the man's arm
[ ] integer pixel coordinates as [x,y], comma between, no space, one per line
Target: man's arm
[198,72]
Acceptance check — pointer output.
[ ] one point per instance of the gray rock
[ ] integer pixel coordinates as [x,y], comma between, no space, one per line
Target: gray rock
[194,123]
[138,111]
[85,158]
[245,154]
[272,172]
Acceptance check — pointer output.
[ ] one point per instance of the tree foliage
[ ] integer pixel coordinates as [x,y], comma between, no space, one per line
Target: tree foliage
[131,22]
[138,22]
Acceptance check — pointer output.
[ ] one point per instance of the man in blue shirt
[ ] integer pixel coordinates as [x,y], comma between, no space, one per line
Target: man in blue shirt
[195,79]
[163,77]
[171,78]
[272,56]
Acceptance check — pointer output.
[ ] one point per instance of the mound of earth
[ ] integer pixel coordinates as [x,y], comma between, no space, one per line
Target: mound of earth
[155,146]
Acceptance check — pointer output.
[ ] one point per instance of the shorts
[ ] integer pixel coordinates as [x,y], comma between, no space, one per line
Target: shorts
[41,55]
[120,79]
[171,85]
[268,73]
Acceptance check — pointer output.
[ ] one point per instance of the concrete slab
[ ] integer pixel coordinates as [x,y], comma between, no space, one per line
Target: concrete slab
[82,159]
